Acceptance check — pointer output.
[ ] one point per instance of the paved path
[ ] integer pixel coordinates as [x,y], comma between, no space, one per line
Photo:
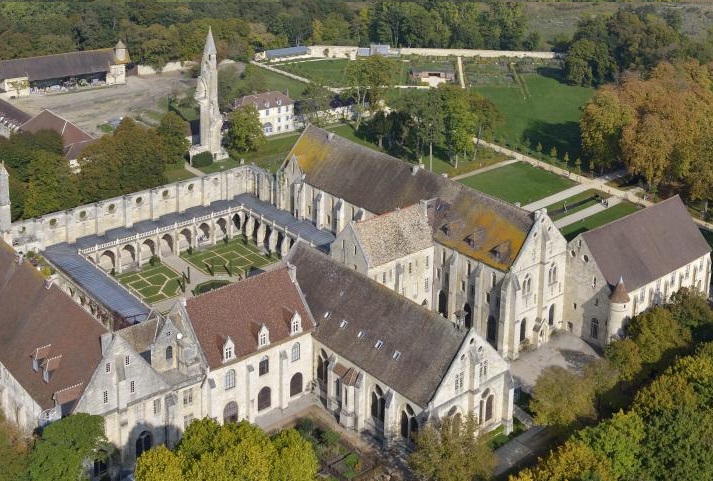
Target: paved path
[584,213]
[193,170]
[459,61]
[485,169]
[523,416]
[559,196]
[522,449]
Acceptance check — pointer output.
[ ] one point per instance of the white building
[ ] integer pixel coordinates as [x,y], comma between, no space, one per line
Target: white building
[618,270]
[275,109]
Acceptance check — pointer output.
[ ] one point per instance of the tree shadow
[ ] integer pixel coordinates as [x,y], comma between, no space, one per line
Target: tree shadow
[553,73]
[565,137]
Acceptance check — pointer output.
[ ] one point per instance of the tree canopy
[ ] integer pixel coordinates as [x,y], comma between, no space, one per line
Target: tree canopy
[245,133]
[210,451]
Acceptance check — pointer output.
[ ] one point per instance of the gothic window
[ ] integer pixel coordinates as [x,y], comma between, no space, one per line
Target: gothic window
[188,397]
[230,379]
[523,330]
[322,365]
[169,353]
[527,283]
[594,328]
[264,366]
[552,275]
[264,399]
[378,404]
[296,352]
[101,464]
[230,413]
[409,424]
[492,329]
[489,407]
[228,350]
[296,384]
[263,337]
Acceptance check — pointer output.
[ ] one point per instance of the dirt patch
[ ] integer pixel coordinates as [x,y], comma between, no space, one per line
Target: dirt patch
[143,98]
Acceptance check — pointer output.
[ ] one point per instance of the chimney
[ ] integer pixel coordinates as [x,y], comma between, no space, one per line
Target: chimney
[292,271]
[105,339]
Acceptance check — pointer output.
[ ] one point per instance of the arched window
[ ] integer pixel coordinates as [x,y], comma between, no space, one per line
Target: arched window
[442,303]
[230,379]
[551,316]
[264,399]
[409,424]
[594,328]
[468,316]
[523,330]
[378,404]
[493,279]
[296,384]
[492,331]
[489,407]
[296,352]
[101,464]
[527,283]
[264,366]
[552,275]
[322,365]
[143,443]
[169,353]
[230,413]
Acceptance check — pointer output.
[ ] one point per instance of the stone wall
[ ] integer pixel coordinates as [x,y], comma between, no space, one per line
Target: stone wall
[150,204]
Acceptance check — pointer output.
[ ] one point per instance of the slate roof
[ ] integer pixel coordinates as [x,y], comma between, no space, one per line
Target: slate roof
[59,65]
[140,336]
[394,235]
[263,101]
[11,115]
[380,183]
[239,310]
[32,317]
[646,245]
[75,140]
[428,343]
[619,294]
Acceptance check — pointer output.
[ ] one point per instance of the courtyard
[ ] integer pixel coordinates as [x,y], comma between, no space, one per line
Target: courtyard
[152,283]
[234,258]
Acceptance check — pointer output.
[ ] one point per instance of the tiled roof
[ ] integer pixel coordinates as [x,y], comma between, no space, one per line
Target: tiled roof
[48,120]
[33,316]
[380,183]
[394,235]
[646,245]
[239,310]
[140,336]
[426,342]
[59,65]
[619,294]
[263,101]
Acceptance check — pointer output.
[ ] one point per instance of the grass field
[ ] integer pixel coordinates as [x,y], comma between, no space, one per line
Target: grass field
[586,199]
[548,114]
[152,284]
[613,213]
[238,256]
[174,175]
[518,182]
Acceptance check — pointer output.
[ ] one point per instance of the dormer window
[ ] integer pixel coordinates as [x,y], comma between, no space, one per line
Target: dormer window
[296,324]
[263,337]
[228,350]
[343,324]
[379,344]
[396,355]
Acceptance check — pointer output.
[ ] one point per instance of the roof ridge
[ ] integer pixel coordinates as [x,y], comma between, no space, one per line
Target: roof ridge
[627,216]
[385,214]
[103,49]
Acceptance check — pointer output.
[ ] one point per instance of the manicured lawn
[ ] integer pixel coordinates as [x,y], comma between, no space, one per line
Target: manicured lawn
[549,115]
[613,213]
[152,283]
[575,203]
[330,72]
[174,175]
[239,257]
[518,182]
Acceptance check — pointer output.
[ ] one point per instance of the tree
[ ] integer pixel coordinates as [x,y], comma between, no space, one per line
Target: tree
[158,464]
[368,78]
[295,459]
[573,461]
[316,101]
[625,357]
[245,133]
[602,123]
[452,451]
[172,131]
[562,399]
[14,452]
[658,335]
[52,185]
[64,445]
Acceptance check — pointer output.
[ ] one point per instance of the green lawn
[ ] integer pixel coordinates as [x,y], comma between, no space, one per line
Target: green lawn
[330,72]
[152,283]
[586,198]
[613,213]
[176,174]
[239,257]
[549,115]
[518,182]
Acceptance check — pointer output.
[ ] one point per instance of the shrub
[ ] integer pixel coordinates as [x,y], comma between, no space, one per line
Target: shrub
[306,427]
[204,159]
[329,438]
[155,260]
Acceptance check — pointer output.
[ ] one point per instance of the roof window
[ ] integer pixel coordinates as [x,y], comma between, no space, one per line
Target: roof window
[361,334]
[343,324]
[379,344]
[396,355]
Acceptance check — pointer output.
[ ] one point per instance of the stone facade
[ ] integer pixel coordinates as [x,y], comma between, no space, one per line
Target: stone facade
[276,111]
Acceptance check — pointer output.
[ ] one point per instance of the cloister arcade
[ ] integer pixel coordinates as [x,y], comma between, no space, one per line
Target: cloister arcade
[135,251]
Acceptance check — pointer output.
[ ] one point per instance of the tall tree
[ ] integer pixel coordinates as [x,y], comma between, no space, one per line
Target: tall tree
[562,399]
[172,132]
[52,185]
[65,445]
[452,451]
[245,133]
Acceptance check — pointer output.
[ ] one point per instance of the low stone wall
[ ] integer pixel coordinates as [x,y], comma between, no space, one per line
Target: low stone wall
[169,67]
